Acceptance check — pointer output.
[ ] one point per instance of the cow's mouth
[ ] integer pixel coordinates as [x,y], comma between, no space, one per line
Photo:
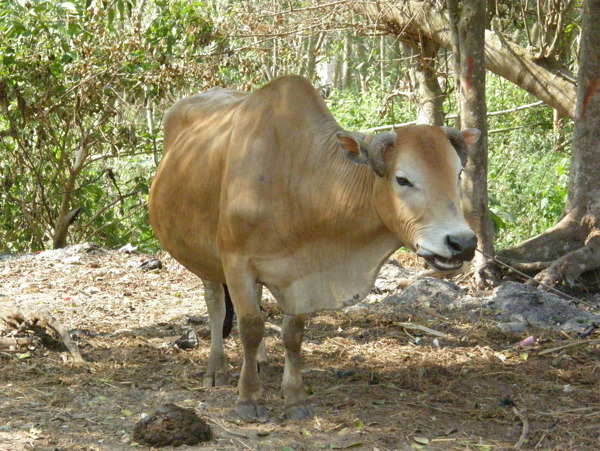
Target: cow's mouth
[443,264]
[438,262]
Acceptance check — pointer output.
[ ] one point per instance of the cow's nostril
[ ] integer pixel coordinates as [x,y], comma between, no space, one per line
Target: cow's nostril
[462,246]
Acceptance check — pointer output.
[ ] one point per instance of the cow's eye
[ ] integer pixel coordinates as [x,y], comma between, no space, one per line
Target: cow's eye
[403,181]
[460,175]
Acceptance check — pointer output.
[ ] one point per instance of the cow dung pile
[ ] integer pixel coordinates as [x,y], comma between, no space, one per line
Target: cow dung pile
[171,425]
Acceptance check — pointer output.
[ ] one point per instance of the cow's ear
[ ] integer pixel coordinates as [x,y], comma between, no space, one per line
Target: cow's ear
[372,154]
[356,149]
[471,136]
[462,141]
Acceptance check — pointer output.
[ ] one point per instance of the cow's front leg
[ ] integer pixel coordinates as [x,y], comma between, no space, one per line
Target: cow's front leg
[250,403]
[297,406]
[214,295]
[245,295]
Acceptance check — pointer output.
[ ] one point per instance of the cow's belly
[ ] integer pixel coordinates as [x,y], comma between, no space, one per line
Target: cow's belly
[322,276]
[201,260]
[184,218]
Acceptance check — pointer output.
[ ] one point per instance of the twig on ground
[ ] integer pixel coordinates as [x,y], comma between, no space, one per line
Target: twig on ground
[571,345]
[7,342]
[423,329]
[62,331]
[337,387]
[41,320]
[226,429]
[537,445]
[244,444]
[524,431]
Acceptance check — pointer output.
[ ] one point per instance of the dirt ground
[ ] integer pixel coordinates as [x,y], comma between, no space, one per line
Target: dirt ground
[376,384]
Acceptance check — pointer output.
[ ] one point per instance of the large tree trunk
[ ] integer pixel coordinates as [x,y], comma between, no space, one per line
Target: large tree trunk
[572,246]
[410,18]
[467,22]
[426,90]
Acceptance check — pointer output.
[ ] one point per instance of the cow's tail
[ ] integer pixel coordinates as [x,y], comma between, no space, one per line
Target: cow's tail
[228,321]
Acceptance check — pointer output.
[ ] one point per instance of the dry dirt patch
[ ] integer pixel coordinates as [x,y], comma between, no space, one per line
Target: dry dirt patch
[376,383]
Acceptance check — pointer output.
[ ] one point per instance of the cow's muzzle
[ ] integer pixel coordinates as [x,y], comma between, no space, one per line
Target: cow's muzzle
[461,248]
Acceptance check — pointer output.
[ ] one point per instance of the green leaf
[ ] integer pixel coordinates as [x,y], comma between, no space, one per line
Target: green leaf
[111,16]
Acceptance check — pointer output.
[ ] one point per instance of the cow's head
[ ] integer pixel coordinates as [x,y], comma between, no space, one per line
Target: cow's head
[417,188]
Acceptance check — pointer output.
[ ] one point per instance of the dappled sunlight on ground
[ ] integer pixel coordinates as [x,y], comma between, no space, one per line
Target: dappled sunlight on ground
[374,382]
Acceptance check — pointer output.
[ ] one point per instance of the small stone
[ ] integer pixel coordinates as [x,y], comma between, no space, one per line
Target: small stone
[512,327]
[91,290]
[171,425]
[343,374]
[151,265]
[188,340]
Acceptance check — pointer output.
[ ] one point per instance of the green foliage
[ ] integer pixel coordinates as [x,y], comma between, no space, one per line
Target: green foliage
[359,110]
[528,176]
[82,85]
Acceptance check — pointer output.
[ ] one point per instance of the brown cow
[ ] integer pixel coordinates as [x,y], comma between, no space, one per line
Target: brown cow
[266,189]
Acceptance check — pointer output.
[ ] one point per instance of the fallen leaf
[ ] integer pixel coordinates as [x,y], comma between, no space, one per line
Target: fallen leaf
[421,440]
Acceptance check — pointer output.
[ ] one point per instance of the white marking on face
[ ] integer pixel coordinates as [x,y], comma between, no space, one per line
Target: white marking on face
[429,197]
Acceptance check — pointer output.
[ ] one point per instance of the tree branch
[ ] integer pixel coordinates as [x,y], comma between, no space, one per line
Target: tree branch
[555,86]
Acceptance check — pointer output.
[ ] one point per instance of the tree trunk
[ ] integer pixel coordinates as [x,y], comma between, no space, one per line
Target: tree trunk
[426,90]
[572,246]
[313,50]
[346,72]
[325,68]
[555,86]
[66,215]
[467,22]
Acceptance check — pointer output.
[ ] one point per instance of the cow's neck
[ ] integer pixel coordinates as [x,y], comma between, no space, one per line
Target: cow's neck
[337,241]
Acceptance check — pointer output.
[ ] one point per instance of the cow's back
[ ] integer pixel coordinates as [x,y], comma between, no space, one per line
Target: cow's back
[184,199]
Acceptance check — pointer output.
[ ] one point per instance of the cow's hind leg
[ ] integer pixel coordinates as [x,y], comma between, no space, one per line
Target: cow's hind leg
[297,406]
[216,374]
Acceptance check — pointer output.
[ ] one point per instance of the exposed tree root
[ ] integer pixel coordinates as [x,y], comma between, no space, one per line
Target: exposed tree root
[38,323]
[563,253]
[526,266]
[568,235]
[568,268]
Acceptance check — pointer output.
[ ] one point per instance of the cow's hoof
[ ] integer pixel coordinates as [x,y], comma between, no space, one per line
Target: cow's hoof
[249,410]
[299,411]
[215,380]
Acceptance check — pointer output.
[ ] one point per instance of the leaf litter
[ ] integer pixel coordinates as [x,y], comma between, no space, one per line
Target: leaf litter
[376,376]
